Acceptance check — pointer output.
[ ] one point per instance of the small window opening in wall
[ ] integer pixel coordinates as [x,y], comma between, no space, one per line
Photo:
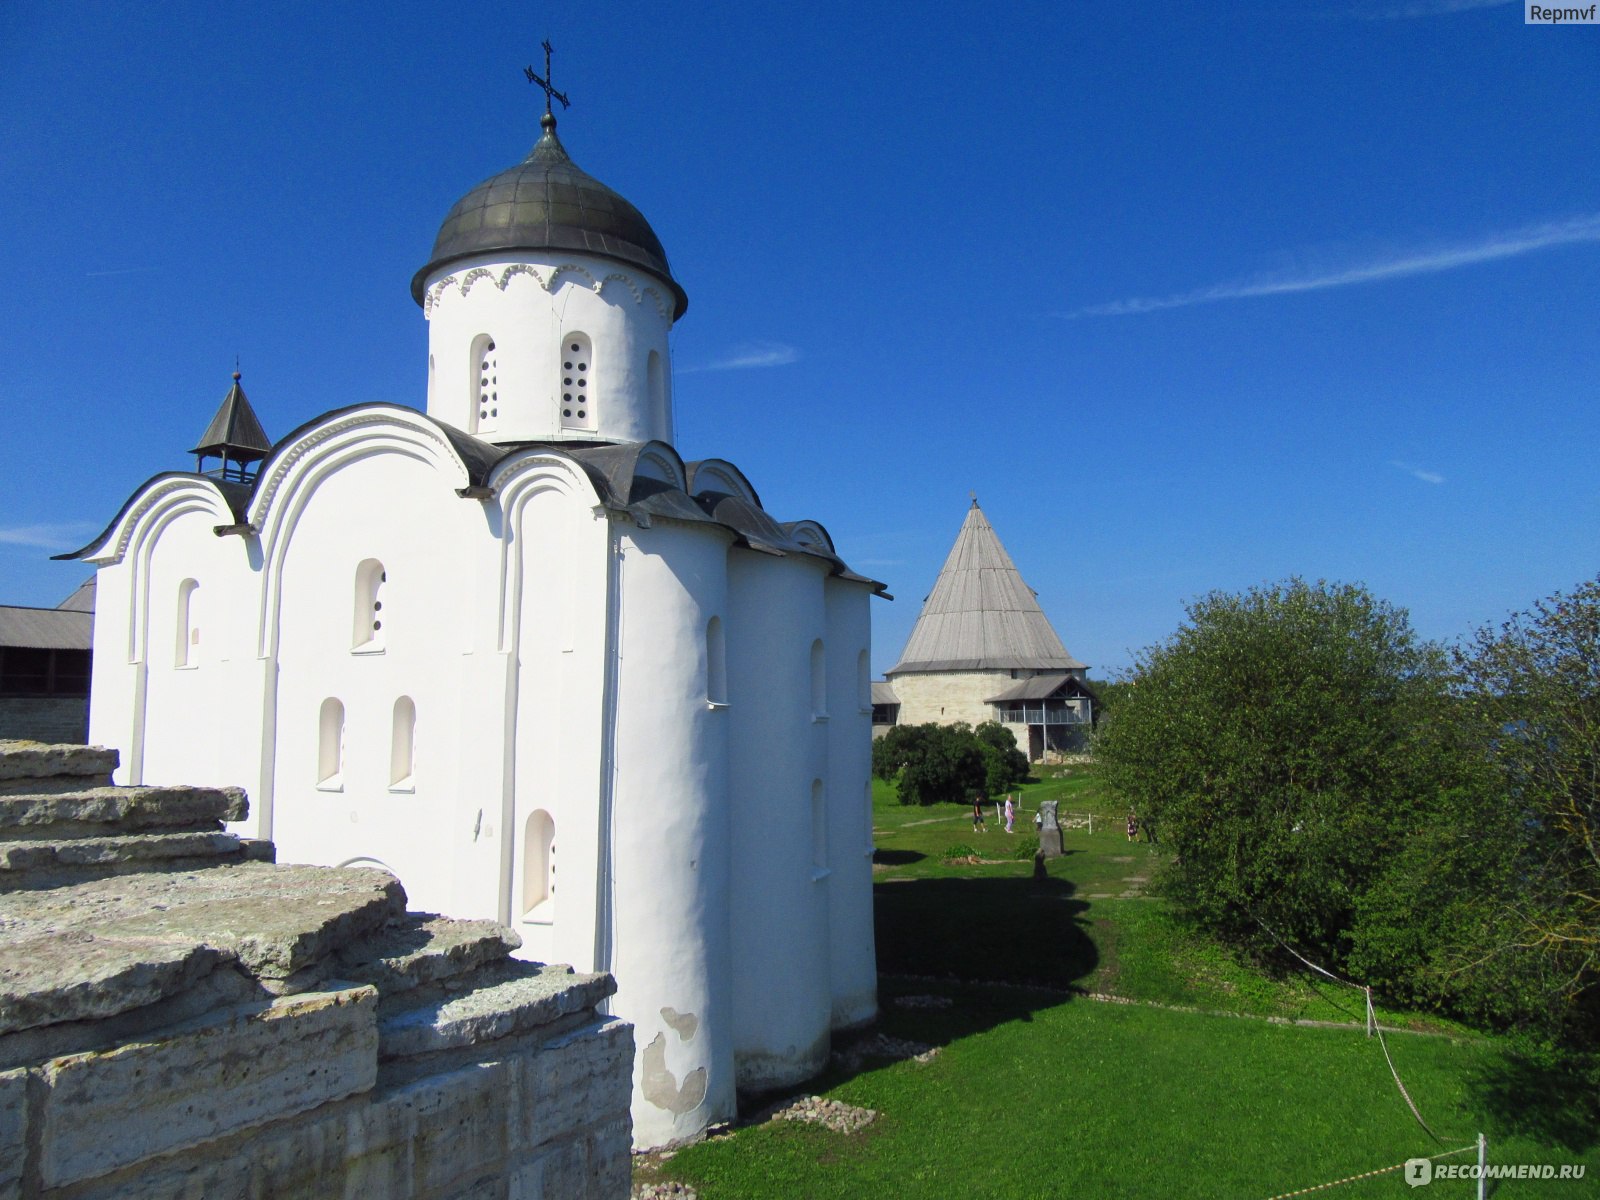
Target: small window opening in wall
[819,826]
[538,865]
[403,746]
[188,647]
[716,663]
[368,618]
[330,745]
[577,393]
[819,681]
[484,405]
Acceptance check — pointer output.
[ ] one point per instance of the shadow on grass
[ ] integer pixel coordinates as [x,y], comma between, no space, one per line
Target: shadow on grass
[1551,1102]
[897,858]
[1014,930]
[960,938]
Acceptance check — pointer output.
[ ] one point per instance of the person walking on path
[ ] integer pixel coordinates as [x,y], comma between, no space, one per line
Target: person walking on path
[978,825]
[1011,815]
[1133,825]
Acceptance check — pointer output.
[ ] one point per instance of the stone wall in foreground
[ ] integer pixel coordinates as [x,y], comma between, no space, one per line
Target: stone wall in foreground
[182,1017]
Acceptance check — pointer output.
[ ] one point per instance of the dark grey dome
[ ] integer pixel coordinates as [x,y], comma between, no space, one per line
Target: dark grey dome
[546,202]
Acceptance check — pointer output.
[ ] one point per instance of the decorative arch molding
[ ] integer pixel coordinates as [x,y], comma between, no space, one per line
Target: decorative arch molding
[810,533]
[659,461]
[142,531]
[517,483]
[548,278]
[190,491]
[294,472]
[720,475]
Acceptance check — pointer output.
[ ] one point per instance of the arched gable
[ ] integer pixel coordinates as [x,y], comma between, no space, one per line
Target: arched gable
[517,482]
[303,460]
[711,475]
[132,538]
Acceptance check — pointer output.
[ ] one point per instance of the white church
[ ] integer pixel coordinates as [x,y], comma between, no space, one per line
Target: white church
[516,650]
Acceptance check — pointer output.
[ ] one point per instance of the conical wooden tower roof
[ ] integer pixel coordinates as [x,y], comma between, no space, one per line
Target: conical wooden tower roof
[235,432]
[980,615]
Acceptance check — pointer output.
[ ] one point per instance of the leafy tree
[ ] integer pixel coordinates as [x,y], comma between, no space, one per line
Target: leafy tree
[1281,740]
[1004,766]
[1494,908]
[931,763]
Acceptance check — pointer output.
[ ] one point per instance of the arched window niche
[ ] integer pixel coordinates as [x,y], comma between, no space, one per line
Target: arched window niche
[330,746]
[539,868]
[366,635]
[819,682]
[577,375]
[403,746]
[188,634]
[716,665]
[483,386]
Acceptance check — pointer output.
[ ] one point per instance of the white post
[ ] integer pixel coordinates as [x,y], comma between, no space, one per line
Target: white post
[1372,1017]
[1483,1162]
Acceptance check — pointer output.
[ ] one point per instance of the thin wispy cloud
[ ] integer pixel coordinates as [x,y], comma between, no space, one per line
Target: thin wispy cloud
[749,357]
[1494,246]
[1415,9]
[119,271]
[1416,472]
[46,537]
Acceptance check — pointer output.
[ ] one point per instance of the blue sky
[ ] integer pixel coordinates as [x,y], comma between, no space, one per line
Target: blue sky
[1193,296]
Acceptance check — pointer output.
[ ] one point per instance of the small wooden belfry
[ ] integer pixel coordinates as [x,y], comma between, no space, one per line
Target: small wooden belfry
[235,437]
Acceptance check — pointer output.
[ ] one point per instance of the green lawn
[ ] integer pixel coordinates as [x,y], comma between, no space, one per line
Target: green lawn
[1038,1091]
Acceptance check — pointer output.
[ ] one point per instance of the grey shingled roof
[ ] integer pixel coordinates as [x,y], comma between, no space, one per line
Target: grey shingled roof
[980,615]
[82,599]
[46,628]
[235,430]
[1042,687]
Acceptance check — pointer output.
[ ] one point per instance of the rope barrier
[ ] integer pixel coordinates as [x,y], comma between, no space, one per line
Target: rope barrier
[1372,1022]
[1322,1187]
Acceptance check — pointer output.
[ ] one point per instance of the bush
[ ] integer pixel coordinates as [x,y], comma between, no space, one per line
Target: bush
[1026,848]
[1282,741]
[959,850]
[931,763]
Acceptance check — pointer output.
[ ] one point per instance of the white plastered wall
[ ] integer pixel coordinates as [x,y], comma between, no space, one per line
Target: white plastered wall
[853,964]
[556,544]
[669,834]
[361,491]
[178,714]
[529,307]
[782,993]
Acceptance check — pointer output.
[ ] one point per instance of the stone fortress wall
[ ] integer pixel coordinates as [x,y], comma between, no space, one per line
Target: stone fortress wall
[181,1016]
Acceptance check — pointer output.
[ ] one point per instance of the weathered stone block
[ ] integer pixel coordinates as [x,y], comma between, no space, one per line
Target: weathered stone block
[13,1131]
[459,1121]
[96,811]
[103,1111]
[28,764]
[611,1160]
[560,1173]
[275,920]
[515,998]
[75,975]
[576,1079]
[422,949]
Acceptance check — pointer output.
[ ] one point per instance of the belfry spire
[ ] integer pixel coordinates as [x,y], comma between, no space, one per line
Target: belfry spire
[234,435]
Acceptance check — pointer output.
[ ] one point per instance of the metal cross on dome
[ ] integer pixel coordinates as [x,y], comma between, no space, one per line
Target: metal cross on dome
[550,92]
